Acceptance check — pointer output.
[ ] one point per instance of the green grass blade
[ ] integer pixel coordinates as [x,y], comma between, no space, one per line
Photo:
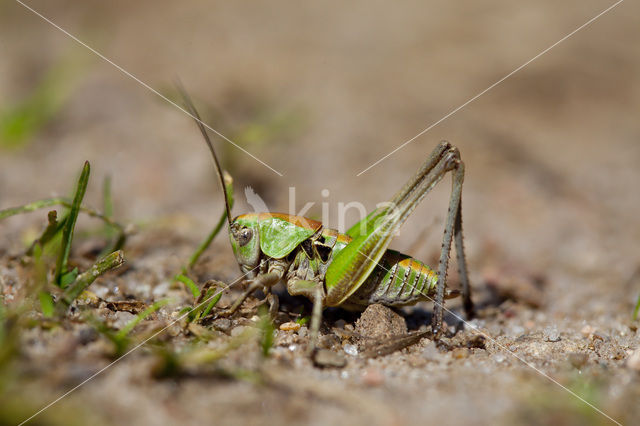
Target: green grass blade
[69,226]
[228,183]
[124,331]
[637,309]
[214,301]
[84,280]
[213,295]
[50,202]
[36,205]
[188,282]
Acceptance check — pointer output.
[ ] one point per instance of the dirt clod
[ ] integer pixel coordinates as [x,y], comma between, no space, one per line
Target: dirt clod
[379,322]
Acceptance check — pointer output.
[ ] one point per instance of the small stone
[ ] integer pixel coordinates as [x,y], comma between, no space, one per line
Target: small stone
[380,322]
[290,326]
[372,377]
[302,331]
[578,359]
[238,330]
[551,334]
[222,324]
[122,318]
[351,350]
[587,331]
[329,359]
[431,352]
[460,353]
[633,362]
[416,361]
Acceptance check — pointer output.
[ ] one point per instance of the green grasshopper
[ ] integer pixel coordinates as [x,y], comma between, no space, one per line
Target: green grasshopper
[355,269]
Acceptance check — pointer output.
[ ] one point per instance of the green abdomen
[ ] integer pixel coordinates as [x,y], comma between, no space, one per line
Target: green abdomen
[398,280]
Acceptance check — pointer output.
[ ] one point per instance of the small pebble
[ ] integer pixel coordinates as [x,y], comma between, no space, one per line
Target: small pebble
[351,350]
[122,318]
[633,362]
[238,330]
[380,322]
[587,331]
[460,353]
[302,332]
[551,334]
[222,324]
[372,377]
[290,326]
[430,352]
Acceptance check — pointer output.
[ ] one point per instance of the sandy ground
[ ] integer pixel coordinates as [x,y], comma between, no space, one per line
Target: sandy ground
[550,200]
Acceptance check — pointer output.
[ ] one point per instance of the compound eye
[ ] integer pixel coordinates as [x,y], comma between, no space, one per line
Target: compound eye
[244,236]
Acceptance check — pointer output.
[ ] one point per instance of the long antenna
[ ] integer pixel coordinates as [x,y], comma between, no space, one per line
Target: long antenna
[194,114]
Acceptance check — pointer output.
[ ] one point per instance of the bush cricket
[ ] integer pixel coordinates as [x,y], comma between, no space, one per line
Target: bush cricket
[355,269]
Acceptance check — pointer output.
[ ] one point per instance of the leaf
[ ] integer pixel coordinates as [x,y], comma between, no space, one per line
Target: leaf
[188,282]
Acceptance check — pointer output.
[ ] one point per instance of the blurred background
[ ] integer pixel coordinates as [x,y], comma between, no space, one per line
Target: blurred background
[319,91]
